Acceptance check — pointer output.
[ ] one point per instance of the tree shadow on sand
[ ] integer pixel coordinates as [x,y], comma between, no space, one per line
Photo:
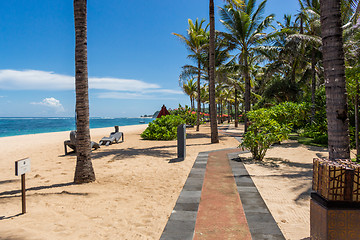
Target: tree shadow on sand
[11,237]
[9,181]
[129,153]
[14,192]
[292,172]
[201,136]
[274,162]
[295,144]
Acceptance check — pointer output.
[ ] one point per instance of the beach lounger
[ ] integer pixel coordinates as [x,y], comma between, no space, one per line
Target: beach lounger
[72,143]
[113,138]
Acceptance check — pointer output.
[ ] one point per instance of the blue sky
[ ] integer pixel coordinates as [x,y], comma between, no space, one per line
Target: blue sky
[133,59]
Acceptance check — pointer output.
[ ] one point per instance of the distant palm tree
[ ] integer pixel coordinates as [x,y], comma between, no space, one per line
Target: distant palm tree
[84,171]
[246,27]
[334,70]
[195,40]
[204,96]
[189,87]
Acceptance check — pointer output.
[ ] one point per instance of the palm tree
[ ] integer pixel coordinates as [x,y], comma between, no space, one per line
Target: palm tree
[195,40]
[334,71]
[212,103]
[233,80]
[204,96]
[246,26]
[189,87]
[84,171]
[352,58]
[312,37]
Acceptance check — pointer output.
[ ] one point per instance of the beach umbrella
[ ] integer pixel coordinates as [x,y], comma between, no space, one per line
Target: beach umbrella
[163,112]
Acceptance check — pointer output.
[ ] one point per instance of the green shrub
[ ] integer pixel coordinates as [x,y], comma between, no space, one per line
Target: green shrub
[164,128]
[186,114]
[291,113]
[321,139]
[263,131]
[317,129]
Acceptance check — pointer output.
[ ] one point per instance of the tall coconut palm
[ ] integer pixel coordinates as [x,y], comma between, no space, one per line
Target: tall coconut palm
[352,58]
[212,103]
[195,40]
[84,171]
[246,27]
[334,71]
[310,36]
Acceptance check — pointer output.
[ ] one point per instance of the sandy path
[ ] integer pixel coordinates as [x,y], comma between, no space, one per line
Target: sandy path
[136,188]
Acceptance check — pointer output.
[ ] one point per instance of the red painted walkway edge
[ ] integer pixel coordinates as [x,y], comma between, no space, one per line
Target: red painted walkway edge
[220,214]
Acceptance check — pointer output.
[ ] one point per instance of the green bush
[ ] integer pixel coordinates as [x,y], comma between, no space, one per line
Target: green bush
[185,113]
[318,128]
[263,131]
[164,128]
[291,113]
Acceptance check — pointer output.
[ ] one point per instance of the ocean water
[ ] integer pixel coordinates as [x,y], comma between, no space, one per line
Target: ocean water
[23,126]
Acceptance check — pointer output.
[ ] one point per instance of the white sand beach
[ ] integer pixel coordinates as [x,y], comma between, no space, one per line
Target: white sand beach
[137,186]
[284,181]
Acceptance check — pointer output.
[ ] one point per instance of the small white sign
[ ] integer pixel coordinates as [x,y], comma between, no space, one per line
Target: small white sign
[22,166]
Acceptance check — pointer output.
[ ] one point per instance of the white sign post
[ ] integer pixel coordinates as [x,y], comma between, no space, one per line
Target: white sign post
[21,167]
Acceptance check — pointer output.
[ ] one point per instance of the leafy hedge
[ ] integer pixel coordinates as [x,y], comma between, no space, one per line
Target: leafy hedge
[263,132]
[164,128]
[271,125]
[185,113]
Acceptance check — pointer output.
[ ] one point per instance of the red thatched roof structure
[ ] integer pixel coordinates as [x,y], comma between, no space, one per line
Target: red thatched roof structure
[163,112]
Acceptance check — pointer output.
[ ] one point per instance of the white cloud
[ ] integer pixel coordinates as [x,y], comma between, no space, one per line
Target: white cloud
[52,103]
[116,84]
[119,88]
[165,91]
[127,95]
[41,80]
[34,80]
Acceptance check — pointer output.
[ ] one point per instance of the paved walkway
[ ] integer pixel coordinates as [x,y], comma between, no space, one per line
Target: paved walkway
[220,201]
[220,214]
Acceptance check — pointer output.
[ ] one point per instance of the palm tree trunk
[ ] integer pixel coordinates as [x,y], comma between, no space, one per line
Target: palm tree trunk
[198,99]
[236,110]
[221,112]
[247,92]
[213,124]
[218,113]
[229,112]
[313,85]
[357,121]
[334,71]
[84,171]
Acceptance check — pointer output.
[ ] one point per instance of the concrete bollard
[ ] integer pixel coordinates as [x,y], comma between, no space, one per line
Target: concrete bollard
[181,141]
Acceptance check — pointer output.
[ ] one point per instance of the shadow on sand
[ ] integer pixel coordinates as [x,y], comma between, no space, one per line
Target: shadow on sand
[9,181]
[14,192]
[292,172]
